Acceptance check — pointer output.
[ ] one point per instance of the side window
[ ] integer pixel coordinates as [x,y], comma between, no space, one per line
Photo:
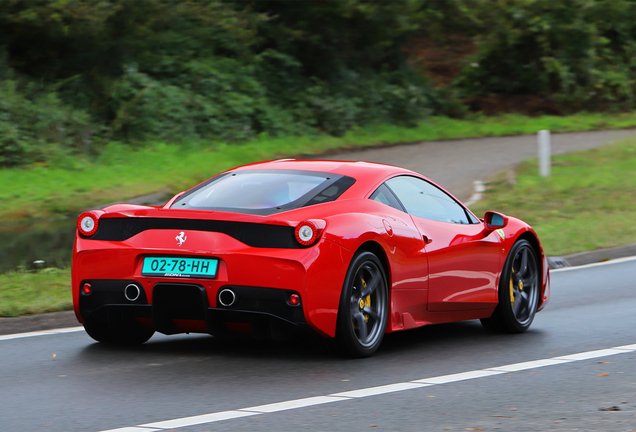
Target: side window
[385,196]
[422,199]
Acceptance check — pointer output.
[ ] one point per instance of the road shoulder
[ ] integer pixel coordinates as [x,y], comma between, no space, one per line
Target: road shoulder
[31,323]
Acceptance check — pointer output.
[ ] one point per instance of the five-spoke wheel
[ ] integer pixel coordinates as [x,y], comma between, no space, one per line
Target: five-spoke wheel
[518,291]
[363,306]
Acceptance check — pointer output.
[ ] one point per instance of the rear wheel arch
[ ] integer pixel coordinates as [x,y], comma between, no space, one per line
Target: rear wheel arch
[364,305]
[377,250]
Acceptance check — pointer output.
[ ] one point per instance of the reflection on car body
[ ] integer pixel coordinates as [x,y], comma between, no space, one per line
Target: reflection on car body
[348,250]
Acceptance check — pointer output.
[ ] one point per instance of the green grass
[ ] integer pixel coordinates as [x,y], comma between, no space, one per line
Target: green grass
[589,201]
[27,293]
[121,173]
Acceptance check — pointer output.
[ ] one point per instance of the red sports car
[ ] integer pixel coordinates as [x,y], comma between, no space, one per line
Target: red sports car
[349,250]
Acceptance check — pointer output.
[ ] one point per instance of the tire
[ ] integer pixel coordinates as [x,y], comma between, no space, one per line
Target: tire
[126,333]
[364,306]
[518,291]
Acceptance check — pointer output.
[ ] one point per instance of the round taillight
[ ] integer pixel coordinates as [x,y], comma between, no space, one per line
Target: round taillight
[294,299]
[87,289]
[87,223]
[306,233]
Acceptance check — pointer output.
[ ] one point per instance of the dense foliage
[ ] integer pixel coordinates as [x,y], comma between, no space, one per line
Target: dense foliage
[578,53]
[131,70]
[75,74]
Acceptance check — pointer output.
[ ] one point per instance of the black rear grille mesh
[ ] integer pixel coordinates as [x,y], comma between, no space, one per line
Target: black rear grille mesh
[252,234]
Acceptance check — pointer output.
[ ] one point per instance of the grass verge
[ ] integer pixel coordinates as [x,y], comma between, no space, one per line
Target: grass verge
[589,201]
[121,173]
[28,293]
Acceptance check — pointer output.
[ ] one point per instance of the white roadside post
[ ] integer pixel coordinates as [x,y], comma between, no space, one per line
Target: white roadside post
[543,138]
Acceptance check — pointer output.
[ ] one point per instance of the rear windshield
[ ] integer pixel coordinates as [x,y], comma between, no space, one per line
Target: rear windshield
[264,191]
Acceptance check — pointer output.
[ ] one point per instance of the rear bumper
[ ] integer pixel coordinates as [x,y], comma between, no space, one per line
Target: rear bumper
[184,307]
[315,273]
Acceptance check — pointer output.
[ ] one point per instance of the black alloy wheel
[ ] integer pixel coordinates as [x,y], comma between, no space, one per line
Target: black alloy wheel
[518,291]
[364,306]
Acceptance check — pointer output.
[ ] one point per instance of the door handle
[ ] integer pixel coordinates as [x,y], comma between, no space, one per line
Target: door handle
[427,240]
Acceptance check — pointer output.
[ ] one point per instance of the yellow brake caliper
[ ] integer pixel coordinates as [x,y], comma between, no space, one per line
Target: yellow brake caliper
[512,291]
[365,302]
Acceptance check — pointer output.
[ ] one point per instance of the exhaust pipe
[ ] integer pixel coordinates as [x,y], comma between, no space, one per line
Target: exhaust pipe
[227,297]
[132,292]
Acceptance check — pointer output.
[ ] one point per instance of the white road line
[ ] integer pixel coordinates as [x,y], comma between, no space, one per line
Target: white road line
[517,367]
[136,429]
[293,404]
[479,188]
[372,391]
[593,354]
[598,264]
[41,333]
[445,379]
[195,420]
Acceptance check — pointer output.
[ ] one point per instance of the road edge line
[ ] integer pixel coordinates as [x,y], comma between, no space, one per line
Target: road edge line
[597,264]
[372,391]
[41,333]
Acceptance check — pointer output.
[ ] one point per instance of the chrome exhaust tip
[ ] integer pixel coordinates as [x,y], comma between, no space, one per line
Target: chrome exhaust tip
[132,292]
[227,297]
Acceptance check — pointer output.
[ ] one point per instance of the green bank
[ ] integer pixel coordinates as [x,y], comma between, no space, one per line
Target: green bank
[122,172]
[588,202]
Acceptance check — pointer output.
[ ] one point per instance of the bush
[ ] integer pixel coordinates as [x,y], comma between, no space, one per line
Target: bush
[225,99]
[204,70]
[34,126]
[578,53]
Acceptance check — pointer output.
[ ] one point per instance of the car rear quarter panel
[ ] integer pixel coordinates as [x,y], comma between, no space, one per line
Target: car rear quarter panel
[391,233]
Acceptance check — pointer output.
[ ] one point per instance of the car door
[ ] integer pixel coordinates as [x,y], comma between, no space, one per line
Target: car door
[463,258]
[409,289]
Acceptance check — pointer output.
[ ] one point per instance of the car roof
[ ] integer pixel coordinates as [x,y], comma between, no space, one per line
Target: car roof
[368,175]
[365,172]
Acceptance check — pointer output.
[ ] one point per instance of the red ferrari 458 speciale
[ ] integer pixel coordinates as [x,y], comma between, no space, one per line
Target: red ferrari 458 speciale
[349,250]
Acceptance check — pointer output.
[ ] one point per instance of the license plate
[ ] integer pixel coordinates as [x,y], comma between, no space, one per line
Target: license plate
[180,267]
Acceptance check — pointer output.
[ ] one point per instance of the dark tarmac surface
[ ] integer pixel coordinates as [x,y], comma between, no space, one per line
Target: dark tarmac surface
[67,382]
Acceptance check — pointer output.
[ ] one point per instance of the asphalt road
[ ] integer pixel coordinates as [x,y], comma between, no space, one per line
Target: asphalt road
[456,164]
[66,382]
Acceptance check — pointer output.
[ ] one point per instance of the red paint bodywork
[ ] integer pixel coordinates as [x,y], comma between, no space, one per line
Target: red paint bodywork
[438,272]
